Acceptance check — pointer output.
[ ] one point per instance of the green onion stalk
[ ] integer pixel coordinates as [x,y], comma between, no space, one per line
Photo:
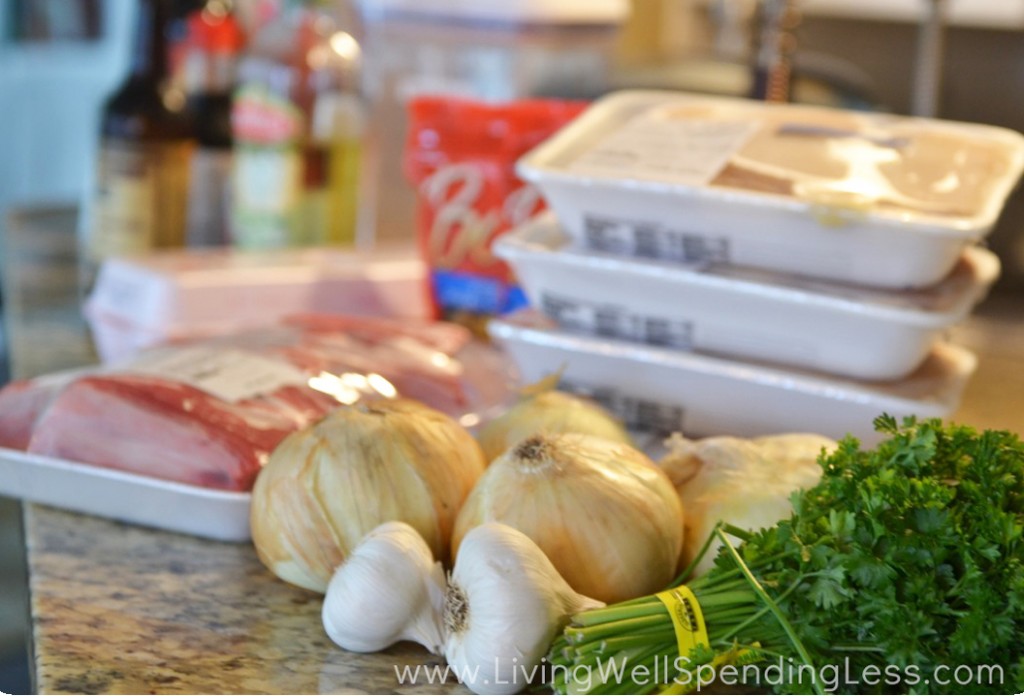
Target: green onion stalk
[631,647]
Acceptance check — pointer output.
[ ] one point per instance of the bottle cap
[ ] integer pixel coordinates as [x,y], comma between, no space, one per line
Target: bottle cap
[215,30]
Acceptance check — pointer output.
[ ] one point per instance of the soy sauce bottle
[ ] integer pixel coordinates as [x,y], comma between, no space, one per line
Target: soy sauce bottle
[147,140]
[209,58]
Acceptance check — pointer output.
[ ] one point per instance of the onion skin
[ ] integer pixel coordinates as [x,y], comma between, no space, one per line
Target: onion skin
[747,483]
[604,514]
[325,487]
[548,412]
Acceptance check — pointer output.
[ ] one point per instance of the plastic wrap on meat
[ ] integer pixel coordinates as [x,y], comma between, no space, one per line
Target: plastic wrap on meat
[21,403]
[138,419]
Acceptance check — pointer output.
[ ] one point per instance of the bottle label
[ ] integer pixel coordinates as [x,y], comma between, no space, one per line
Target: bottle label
[295,185]
[141,198]
[208,197]
[259,117]
[267,168]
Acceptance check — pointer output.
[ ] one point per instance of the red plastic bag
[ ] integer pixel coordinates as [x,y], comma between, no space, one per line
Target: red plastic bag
[461,155]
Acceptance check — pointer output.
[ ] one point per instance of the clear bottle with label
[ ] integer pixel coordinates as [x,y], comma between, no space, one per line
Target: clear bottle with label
[297,124]
[140,199]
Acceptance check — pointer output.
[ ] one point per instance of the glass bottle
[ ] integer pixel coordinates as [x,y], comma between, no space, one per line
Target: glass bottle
[146,142]
[209,69]
[297,123]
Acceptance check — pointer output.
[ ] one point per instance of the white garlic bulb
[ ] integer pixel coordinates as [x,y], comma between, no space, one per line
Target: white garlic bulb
[504,604]
[389,589]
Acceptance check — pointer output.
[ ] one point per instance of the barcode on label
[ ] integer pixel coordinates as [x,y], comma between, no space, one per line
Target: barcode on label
[636,413]
[653,241]
[612,321]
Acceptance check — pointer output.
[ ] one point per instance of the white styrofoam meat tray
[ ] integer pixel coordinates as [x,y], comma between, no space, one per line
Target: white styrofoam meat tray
[699,395]
[634,177]
[203,512]
[176,294]
[848,330]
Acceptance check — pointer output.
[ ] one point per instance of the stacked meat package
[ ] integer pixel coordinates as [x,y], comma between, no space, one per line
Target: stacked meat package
[727,266]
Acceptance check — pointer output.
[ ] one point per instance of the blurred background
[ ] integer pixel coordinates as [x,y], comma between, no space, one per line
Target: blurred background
[61,59]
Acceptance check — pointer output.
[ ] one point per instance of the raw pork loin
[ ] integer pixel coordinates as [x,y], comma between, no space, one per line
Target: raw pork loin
[167,415]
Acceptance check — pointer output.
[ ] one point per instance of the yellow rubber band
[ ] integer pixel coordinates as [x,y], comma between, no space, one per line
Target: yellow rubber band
[687,618]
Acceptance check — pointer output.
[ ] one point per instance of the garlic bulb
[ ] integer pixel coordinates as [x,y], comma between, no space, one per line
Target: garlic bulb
[327,486]
[604,514]
[389,589]
[543,410]
[747,483]
[504,604]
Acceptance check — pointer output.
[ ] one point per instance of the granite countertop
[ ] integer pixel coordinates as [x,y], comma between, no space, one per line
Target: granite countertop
[121,609]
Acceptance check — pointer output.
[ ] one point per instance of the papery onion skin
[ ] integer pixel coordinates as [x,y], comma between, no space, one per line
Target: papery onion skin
[604,514]
[324,488]
[746,483]
[548,412]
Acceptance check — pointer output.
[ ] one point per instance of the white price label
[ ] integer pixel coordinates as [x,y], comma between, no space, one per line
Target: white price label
[230,375]
[658,146]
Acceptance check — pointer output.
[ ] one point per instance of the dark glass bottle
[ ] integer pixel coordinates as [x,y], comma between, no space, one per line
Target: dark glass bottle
[146,142]
[209,61]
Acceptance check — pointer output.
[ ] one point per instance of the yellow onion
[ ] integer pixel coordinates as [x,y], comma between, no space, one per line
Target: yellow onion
[326,487]
[746,483]
[603,513]
[544,410]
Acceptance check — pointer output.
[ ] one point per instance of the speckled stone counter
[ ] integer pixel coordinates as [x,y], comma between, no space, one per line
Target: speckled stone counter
[120,609]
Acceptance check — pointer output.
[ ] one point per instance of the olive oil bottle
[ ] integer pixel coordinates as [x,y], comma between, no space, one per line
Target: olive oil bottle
[297,124]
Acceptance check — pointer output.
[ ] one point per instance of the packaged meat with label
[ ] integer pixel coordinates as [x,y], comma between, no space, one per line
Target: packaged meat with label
[866,198]
[208,413]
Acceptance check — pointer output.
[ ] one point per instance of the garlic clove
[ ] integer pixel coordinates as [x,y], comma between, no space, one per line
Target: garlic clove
[388,590]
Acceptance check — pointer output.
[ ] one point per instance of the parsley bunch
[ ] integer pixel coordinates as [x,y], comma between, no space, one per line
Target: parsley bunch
[902,571]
